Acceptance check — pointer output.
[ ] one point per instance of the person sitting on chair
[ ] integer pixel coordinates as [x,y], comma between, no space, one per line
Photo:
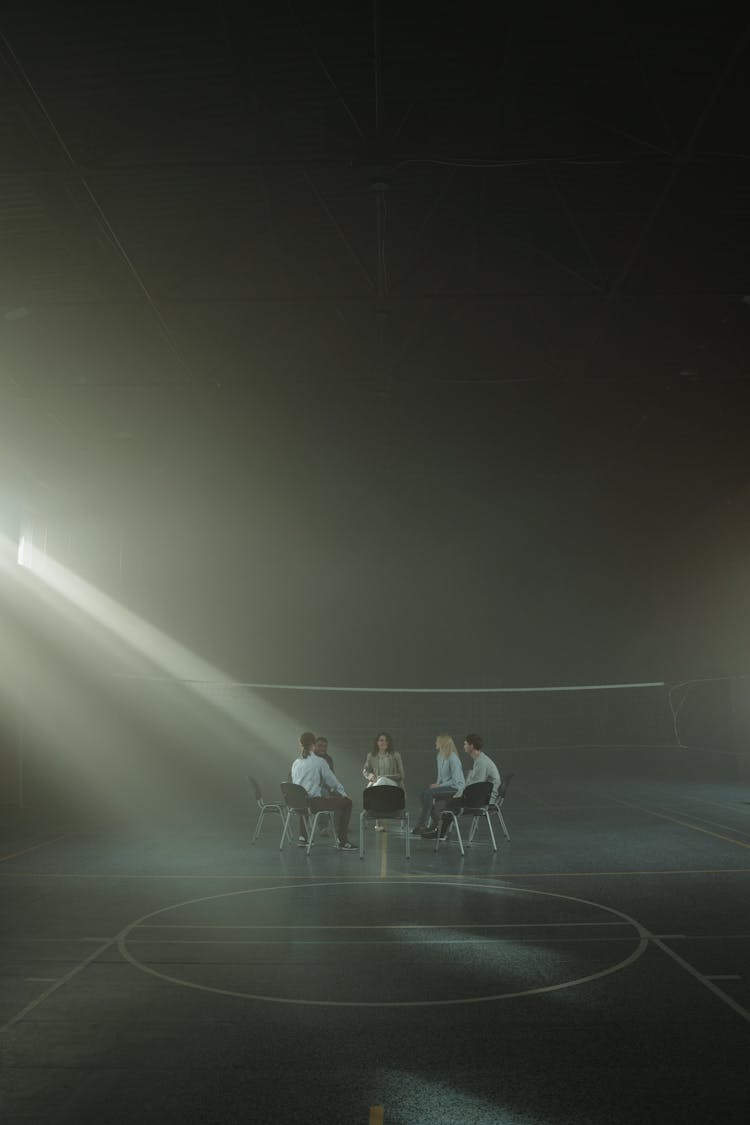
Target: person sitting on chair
[323,787]
[483,769]
[383,766]
[321,749]
[450,780]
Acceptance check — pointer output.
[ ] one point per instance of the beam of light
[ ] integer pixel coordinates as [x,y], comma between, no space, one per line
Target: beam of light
[409,1096]
[161,683]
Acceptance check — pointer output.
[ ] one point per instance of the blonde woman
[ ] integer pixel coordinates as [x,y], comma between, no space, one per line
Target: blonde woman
[383,766]
[450,780]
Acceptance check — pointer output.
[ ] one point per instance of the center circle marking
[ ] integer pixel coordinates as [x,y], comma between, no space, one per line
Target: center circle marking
[640,935]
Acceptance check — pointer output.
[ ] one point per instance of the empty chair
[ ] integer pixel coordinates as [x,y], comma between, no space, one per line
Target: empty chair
[298,801]
[475,802]
[494,808]
[383,802]
[263,806]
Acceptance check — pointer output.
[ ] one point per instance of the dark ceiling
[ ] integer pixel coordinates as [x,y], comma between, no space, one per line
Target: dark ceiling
[377,266]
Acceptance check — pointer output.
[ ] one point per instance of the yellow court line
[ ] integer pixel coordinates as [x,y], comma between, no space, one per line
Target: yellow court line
[684,823]
[377,1115]
[383,855]
[42,844]
[376,878]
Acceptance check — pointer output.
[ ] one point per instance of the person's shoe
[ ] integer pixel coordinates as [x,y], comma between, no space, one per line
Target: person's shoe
[324,832]
[302,842]
[380,828]
[429,833]
[418,829]
[345,846]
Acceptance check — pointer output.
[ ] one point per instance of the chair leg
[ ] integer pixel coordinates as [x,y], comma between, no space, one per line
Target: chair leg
[473,829]
[503,825]
[408,836]
[489,825]
[453,821]
[311,826]
[256,833]
[285,829]
[362,816]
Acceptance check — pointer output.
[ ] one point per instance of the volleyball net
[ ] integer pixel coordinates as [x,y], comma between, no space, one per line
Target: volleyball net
[534,718]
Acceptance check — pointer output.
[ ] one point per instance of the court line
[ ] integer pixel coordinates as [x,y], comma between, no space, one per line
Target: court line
[381,941]
[33,848]
[376,878]
[122,945]
[704,820]
[58,984]
[363,926]
[721,804]
[684,823]
[704,980]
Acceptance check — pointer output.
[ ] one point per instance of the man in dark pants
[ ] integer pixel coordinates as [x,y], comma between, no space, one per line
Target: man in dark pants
[483,769]
[313,773]
[321,749]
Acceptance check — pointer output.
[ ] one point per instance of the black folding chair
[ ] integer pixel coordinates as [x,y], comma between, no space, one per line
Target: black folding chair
[475,802]
[383,802]
[494,808]
[264,807]
[298,802]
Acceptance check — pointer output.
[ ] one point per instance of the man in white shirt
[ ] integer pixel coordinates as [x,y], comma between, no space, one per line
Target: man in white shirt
[483,769]
[323,788]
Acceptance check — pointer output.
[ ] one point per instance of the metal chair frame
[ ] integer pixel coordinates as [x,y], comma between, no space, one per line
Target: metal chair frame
[477,806]
[264,806]
[301,806]
[495,807]
[387,802]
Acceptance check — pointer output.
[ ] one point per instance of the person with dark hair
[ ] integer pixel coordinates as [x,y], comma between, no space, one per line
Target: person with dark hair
[321,749]
[306,745]
[383,766]
[317,779]
[483,769]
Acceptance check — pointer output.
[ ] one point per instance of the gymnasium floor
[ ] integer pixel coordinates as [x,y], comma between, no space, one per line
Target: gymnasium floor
[594,970]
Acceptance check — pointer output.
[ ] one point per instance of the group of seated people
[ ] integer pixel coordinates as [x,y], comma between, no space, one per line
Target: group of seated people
[313,770]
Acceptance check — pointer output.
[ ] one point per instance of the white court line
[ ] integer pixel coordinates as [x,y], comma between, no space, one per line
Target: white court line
[33,848]
[378,941]
[58,984]
[702,979]
[703,820]
[378,926]
[684,823]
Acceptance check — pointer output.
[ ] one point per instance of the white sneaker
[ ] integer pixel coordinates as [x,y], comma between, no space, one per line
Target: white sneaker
[345,846]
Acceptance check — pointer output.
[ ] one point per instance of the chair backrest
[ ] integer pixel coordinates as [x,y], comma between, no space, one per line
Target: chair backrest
[384,799]
[256,789]
[296,796]
[504,786]
[476,796]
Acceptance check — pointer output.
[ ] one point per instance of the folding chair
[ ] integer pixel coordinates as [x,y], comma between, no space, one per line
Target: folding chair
[495,807]
[264,806]
[475,803]
[383,802]
[298,801]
